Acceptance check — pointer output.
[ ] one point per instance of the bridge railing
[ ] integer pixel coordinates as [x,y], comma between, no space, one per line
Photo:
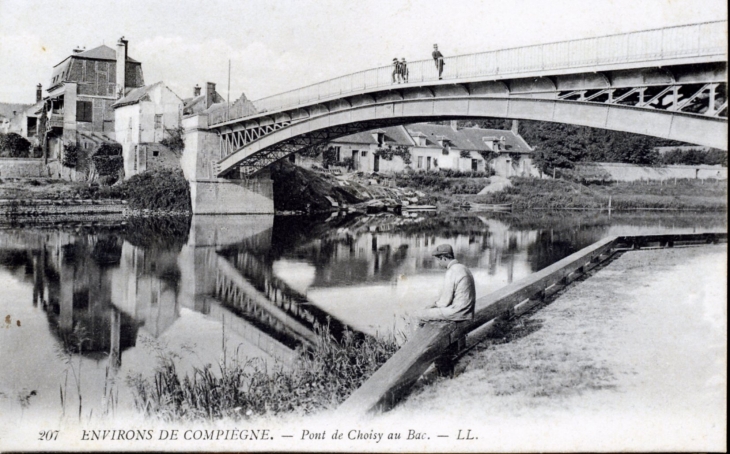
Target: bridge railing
[694,40]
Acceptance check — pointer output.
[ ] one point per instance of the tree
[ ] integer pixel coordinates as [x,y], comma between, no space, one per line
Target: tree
[14,146]
[70,155]
[108,159]
[175,140]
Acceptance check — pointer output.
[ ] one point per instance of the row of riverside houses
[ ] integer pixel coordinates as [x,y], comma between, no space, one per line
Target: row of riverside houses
[98,96]
[431,147]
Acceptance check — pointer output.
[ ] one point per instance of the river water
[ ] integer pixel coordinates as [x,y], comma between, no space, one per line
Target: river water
[85,307]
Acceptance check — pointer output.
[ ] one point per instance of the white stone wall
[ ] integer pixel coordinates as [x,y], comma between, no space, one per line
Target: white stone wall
[632,172]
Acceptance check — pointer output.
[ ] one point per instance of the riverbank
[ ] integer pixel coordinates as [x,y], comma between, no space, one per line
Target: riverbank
[160,191]
[632,358]
[534,194]
[303,191]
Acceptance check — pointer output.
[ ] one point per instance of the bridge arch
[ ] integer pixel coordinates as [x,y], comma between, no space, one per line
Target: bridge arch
[323,126]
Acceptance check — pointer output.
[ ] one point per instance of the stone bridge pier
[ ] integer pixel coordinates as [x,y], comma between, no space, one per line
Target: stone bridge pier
[212,195]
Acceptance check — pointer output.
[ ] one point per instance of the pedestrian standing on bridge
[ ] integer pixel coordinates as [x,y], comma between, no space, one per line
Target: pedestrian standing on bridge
[396,70]
[458,293]
[404,70]
[438,59]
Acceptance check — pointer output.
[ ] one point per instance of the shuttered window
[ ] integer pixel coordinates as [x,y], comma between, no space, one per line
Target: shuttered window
[84,111]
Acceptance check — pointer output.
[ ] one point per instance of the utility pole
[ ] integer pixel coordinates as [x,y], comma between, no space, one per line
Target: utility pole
[228,115]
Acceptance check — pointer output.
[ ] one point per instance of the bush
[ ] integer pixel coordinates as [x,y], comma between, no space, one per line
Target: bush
[108,180]
[163,189]
[70,155]
[109,149]
[14,146]
[348,162]
[175,140]
[401,151]
[108,159]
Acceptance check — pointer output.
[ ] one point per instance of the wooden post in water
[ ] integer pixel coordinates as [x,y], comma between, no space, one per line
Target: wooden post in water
[609,205]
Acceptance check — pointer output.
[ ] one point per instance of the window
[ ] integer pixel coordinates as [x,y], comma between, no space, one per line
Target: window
[364,153]
[155,153]
[84,111]
[435,162]
[420,162]
[158,121]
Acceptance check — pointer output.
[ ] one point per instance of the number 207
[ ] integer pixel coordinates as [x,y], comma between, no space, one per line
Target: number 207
[48,435]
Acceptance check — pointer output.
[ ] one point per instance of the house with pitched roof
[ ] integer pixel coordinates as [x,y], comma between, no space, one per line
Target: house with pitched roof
[363,149]
[143,118]
[201,102]
[432,147]
[83,88]
[470,149]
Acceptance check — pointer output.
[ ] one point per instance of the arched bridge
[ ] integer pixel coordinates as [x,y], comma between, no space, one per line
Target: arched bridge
[669,82]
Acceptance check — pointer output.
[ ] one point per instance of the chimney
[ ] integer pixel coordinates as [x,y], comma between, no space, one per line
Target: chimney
[196,91]
[78,50]
[454,125]
[516,127]
[121,67]
[38,93]
[209,94]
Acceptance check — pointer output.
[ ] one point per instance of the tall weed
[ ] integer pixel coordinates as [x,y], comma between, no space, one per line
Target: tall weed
[321,377]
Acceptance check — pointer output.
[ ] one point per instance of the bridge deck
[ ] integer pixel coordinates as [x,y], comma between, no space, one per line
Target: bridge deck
[685,44]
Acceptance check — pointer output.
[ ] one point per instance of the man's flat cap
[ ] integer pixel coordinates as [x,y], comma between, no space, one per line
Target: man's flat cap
[443,249]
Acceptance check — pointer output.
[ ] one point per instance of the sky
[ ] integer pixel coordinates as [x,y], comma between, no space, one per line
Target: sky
[279,45]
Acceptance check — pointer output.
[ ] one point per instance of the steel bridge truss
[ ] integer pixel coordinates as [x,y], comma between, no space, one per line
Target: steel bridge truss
[240,137]
[708,99]
[697,91]
[265,158]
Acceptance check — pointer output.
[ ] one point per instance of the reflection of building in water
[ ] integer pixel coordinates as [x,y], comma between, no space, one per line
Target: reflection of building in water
[380,257]
[146,287]
[72,281]
[98,290]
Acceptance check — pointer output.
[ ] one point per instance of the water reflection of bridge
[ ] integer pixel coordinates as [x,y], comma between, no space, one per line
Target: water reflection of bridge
[102,288]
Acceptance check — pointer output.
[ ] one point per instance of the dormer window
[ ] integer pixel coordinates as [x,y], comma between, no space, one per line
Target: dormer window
[491,142]
[445,146]
[379,136]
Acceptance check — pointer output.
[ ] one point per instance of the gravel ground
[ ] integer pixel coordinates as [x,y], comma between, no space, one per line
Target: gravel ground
[632,358]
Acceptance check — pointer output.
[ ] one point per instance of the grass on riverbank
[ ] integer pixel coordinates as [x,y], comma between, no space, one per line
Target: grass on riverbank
[532,193]
[320,378]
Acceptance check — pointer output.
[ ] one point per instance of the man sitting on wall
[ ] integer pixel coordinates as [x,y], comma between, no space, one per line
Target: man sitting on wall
[458,293]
